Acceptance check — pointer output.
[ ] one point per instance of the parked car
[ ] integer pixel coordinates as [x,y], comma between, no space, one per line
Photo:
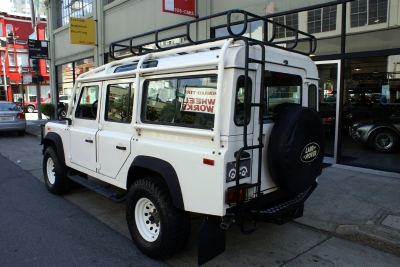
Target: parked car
[357,111]
[31,106]
[381,134]
[64,98]
[11,118]
[327,112]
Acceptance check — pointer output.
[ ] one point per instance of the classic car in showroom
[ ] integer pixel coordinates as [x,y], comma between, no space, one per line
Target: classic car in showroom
[381,134]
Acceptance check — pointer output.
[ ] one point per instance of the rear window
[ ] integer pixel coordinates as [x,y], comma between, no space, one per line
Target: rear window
[282,91]
[186,102]
[8,107]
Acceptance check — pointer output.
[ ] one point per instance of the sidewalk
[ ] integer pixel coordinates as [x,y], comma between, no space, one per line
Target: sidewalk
[356,204]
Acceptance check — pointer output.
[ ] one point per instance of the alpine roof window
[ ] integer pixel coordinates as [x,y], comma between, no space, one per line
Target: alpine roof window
[133,66]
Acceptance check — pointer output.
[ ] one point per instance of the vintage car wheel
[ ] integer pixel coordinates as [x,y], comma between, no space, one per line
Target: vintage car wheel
[157,227]
[383,140]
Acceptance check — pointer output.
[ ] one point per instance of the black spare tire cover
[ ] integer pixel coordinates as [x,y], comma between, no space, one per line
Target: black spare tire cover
[296,149]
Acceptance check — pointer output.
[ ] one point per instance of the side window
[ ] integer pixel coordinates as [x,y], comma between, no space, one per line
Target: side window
[282,91]
[240,99]
[187,102]
[119,102]
[312,96]
[87,104]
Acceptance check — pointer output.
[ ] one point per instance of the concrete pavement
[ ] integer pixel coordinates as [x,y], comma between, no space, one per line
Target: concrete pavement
[354,204]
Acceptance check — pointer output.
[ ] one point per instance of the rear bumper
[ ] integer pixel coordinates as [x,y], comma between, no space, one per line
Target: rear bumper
[13,126]
[274,209]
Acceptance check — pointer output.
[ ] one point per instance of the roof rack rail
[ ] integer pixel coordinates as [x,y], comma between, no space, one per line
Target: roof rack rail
[141,49]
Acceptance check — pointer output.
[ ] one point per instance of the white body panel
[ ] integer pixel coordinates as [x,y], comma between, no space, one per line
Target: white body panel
[203,186]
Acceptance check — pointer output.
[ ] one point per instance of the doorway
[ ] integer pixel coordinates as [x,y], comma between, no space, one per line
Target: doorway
[329,93]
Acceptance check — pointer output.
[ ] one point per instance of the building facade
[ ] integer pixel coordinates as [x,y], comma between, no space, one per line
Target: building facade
[358,52]
[15,29]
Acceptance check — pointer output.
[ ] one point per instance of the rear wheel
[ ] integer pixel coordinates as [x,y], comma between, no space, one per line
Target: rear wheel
[156,226]
[54,172]
[383,140]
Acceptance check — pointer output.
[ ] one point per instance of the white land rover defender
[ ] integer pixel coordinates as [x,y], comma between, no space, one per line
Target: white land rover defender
[224,127]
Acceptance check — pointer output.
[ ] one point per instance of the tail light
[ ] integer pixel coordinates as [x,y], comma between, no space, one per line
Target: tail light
[235,195]
[328,120]
[21,115]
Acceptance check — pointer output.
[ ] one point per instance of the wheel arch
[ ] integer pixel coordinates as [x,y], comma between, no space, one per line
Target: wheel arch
[380,127]
[53,139]
[145,166]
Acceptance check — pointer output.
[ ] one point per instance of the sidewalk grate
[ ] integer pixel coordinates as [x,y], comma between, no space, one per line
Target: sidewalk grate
[392,221]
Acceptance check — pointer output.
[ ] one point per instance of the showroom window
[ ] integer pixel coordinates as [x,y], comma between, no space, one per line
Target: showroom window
[72,8]
[322,19]
[291,20]
[67,74]
[368,12]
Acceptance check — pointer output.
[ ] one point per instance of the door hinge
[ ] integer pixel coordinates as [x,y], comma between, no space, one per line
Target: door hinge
[70,157]
[98,165]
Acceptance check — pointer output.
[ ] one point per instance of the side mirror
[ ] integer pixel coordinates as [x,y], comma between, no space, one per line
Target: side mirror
[69,121]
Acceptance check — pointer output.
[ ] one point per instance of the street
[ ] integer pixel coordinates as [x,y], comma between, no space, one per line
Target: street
[82,228]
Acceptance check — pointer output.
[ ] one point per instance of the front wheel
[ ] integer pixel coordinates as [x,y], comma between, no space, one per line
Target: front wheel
[30,109]
[383,140]
[157,227]
[54,172]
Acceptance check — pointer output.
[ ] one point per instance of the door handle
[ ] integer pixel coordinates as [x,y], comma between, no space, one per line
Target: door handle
[120,147]
[88,141]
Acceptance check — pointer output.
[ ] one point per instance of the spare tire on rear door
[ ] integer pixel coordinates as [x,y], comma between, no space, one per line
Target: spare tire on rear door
[296,149]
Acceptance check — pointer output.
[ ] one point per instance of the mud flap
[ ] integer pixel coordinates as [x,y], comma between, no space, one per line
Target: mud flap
[211,239]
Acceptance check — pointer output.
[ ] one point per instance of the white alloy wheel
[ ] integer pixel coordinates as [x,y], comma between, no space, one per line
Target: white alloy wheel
[51,175]
[147,219]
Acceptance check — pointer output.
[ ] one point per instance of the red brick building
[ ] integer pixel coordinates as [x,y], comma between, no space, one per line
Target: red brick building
[18,65]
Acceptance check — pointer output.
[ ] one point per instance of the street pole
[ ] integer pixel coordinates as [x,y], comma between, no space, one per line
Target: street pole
[22,87]
[4,73]
[38,95]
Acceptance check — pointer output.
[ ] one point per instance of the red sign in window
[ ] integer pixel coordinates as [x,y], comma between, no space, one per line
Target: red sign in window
[181,7]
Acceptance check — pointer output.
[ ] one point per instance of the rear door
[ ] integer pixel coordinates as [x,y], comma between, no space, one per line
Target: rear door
[116,127]
[283,89]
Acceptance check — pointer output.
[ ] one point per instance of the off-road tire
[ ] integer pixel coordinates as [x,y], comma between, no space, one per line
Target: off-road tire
[383,140]
[174,224]
[54,172]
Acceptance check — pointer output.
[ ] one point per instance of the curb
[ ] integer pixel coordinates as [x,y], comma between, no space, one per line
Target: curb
[367,236]
[32,134]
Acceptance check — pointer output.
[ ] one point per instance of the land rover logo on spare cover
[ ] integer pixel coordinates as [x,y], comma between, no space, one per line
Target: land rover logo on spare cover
[310,152]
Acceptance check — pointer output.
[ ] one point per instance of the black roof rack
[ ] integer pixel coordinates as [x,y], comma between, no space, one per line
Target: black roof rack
[127,45]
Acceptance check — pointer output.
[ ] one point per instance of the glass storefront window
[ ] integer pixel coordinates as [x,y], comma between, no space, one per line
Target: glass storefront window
[83,65]
[368,12]
[67,74]
[71,8]
[371,112]
[373,40]
[254,30]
